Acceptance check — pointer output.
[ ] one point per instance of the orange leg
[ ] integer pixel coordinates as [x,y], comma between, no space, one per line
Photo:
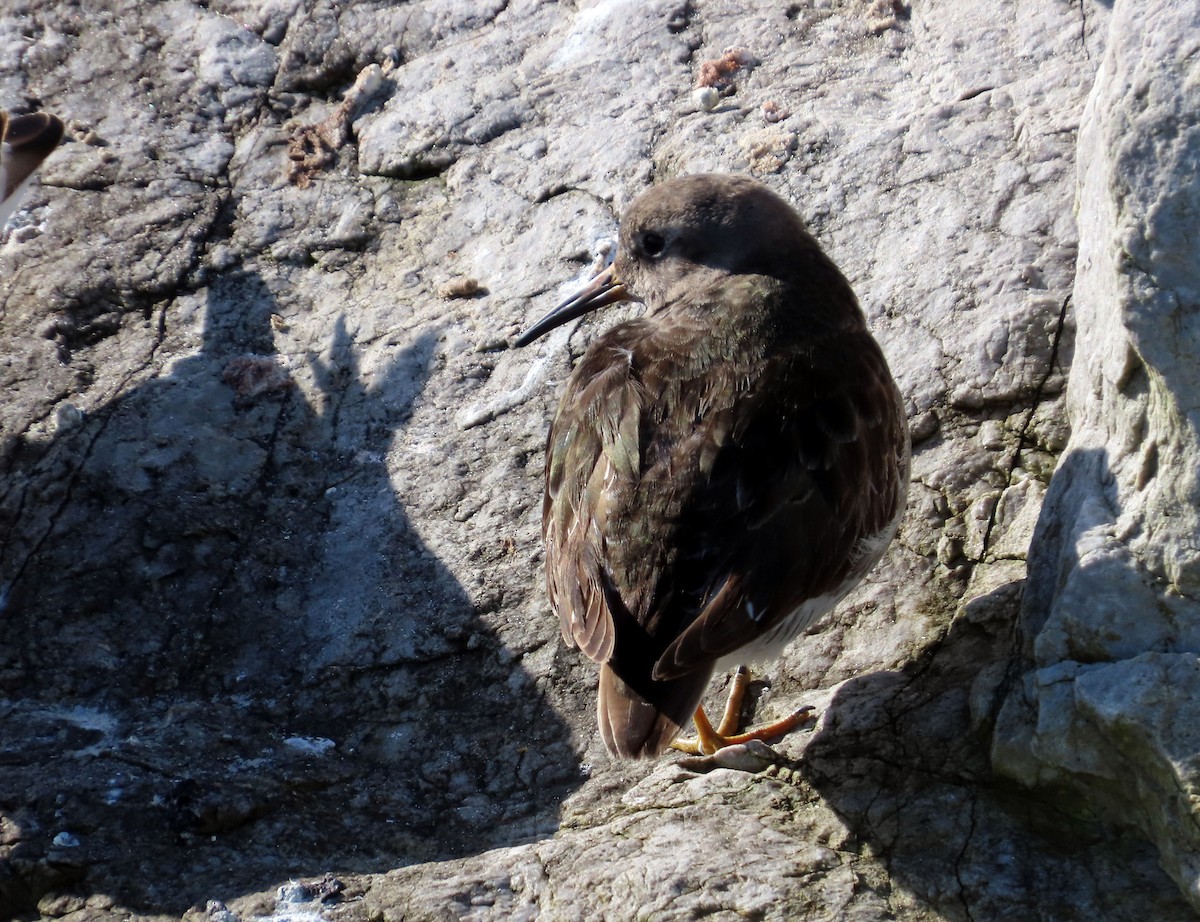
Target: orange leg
[708,740]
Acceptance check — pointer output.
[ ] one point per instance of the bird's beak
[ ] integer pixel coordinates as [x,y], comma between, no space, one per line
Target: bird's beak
[601,291]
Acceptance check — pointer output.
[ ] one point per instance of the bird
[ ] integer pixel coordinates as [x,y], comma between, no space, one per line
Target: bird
[25,141]
[722,469]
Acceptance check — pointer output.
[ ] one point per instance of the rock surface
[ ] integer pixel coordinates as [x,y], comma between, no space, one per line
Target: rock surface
[1109,706]
[269,509]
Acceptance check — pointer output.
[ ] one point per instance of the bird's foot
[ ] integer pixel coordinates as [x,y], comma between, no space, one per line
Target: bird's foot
[709,740]
[752,757]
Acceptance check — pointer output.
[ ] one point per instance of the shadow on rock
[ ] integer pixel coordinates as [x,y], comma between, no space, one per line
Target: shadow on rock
[902,757]
[229,660]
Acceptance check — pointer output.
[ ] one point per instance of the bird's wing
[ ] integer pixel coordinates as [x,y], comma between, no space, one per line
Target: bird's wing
[812,468]
[685,515]
[592,458]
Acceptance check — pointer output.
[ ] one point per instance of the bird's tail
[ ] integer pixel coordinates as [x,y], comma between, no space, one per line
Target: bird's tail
[25,141]
[641,724]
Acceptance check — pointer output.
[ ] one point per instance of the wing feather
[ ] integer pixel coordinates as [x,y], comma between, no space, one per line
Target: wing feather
[791,503]
[592,457]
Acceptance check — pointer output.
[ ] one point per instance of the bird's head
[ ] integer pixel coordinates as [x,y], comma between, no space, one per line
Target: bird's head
[688,232]
[688,229]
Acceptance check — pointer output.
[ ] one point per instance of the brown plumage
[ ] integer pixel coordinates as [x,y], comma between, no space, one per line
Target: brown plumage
[723,470]
[25,141]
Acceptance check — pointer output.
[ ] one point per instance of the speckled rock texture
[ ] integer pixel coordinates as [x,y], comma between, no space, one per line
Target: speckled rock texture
[1109,706]
[273,636]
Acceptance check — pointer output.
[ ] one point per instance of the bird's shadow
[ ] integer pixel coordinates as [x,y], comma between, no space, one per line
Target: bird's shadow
[228,657]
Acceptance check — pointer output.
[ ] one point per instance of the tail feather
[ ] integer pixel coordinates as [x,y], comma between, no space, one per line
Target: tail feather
[25,141]
[636,725]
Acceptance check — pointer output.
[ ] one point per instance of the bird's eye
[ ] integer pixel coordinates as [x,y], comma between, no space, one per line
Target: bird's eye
[653,244]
